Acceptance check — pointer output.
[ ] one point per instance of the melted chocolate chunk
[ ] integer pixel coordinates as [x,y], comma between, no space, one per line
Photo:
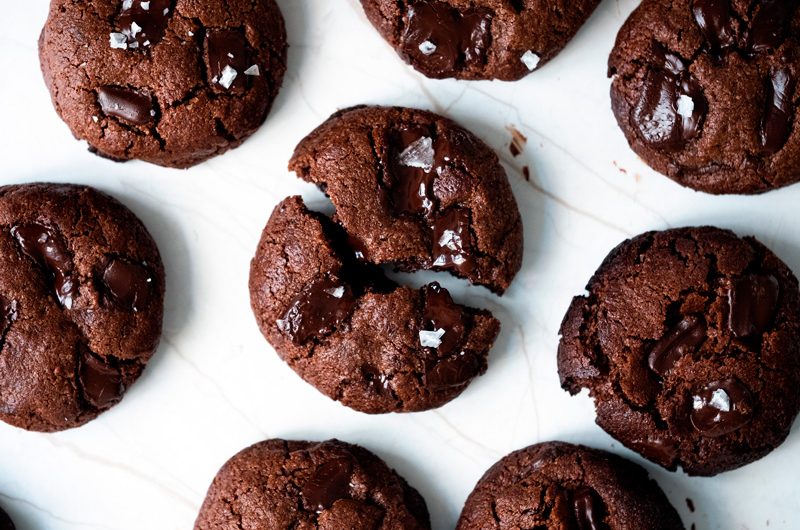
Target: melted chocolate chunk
[776,125]
[226,49]
[716,22]
[440,312]
[671,108]
[752,301]
[452,241]
[770,25]
[413,163]
[47,248]
[588,509]
[329,483]
[442,40]
[683,339]
[657,449]
[454,371]
[144,22]
[128,283]
[721,407]
[101,383]
[125,104]
[317,310]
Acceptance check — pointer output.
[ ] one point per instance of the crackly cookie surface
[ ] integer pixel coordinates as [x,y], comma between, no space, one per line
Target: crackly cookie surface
[81,301]
[305,485]
[706,91]
[418,191]
[356,336]
[478,39]
[173,82]
[689,342]
[560,486]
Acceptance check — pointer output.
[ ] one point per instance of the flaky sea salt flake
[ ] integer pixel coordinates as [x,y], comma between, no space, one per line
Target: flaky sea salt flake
[227,77]
[145,5]
[135,29]
[685,106]
[118,41]
[720,400]
[431,339]
[127,4]
[419,154]
[530,59]
[253,70]
[427,47]
[336,292]
[166,11]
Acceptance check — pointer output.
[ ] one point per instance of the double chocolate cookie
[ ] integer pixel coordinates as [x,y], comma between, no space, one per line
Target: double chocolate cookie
[169,82]
[330,486]
[706,91]
[569,487]
[689,342]
[81,301]
[416,190]
[483,39]
[352,333]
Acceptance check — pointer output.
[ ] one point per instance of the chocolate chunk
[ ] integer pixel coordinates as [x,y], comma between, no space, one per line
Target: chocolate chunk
[776,125]
[770,24]
[441,313]
[683,339]
[144,22]
[101,383]
[753,301]
[329,483]
[442,40]
[454,371]
[128,283]
[671,108]
[656,449]
[452,241]
[47,248]
[226,49]
[125,104]
[588,508]
[721,407]
[317,310]
[413,169]
[716,23]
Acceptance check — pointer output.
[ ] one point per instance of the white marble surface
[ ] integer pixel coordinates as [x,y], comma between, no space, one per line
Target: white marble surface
[215,386]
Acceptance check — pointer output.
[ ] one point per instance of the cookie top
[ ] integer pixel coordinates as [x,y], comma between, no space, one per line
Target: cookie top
[330,486]
[477,39]
[81,300]
[355,335]
[170,82]
[416,190]
[5,521]
[568,487]
[689,342]
[704,91]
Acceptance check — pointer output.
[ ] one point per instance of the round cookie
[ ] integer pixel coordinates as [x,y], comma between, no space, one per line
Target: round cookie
[81,301]
[330,486]
[5,521]
[351,332]
[705,91]
[418,191]
[689,342]
[478,39]
[567,487]
[170,82]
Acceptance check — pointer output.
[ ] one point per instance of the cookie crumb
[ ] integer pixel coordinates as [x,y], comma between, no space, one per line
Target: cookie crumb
[518,141]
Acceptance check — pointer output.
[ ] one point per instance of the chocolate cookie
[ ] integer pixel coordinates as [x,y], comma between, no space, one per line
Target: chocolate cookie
[569,487]
[478,39]
[689,342]
[5,521]
[169,82]
[330,486]
[705,91]
[81,300]
[358,337]
[418,191]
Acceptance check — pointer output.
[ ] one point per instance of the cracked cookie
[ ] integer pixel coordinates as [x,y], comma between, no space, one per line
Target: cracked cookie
[352,333]
[706,91]
[484,39]
[327,486]
[5,521]
[172,82]
[563,486]
[81,301]
[418,191]
[689,342]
